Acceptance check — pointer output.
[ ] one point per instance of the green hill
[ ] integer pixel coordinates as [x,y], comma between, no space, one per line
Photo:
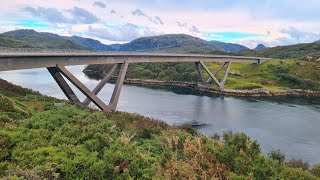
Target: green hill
[6,41]
[286,52]
[41,40]
[181,43]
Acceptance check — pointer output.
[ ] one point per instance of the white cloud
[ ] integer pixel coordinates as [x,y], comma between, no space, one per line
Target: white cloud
[122,33]
[171,16]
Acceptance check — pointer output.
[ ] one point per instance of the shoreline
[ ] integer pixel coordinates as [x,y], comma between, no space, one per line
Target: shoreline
[239,93]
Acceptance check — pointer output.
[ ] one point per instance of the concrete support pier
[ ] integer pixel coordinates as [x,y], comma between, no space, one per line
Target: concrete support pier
[212,76]
[59,70]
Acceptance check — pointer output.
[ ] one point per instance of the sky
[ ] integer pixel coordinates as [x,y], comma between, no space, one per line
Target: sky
[247,22]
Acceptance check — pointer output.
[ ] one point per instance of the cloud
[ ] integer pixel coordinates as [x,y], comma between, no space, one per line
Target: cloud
[180,24]
[99,4]
[81,15]
[113,12]
[155,20]
[76,15]
[138,12]
[288,36]
[126,32]
[299,36]
[194,30]
[51,15]
[158,19]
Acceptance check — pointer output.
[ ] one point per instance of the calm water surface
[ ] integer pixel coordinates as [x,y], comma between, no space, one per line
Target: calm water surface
[287,123]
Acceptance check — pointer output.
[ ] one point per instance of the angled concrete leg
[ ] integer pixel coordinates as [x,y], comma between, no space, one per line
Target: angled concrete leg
[210,74]
[54,71]
[117,89]
[224,79]
[216,72]
[101,84]
[82,88]
[200,73]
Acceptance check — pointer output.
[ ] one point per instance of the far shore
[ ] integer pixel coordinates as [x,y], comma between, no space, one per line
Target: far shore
[201,88]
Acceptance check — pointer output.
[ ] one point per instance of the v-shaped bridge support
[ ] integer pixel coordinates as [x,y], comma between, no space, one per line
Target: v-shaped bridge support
[212,78]
[58,71]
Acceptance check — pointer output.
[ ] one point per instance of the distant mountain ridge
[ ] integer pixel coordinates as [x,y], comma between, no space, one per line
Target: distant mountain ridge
[163,43]
[179,43]
[170,43]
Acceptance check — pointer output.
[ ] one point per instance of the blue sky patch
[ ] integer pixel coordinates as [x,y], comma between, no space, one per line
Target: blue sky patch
[36,24]
[232,36]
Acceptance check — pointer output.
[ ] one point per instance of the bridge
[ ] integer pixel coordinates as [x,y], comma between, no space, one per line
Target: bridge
[56,60]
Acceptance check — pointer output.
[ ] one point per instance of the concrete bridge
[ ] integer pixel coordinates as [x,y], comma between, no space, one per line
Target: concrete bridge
[56,60]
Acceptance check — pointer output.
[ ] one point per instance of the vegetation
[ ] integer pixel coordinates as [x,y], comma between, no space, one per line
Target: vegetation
[271,75]
[286,52]
[33,39]
[39,140]
[6,41]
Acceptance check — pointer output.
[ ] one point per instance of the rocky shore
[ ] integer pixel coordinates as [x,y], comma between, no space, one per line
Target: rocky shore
[201,88]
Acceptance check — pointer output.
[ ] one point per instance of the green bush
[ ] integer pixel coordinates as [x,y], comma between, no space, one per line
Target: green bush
[296,174]
[277,155]
[315,170]
[298,163]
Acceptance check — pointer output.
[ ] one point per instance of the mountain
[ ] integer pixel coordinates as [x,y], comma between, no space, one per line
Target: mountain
[6,41]
[168,43]
[228,47]
[179,43]
[42,40]
[317,41]
[260,47]
[286,52]
[91,43]
[164,43]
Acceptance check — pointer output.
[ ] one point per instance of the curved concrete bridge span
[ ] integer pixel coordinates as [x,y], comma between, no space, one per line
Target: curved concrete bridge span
[56,60]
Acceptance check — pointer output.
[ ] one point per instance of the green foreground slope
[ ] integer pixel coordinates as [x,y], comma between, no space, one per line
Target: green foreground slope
[39,140]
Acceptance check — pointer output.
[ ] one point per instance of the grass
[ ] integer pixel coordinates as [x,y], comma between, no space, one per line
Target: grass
[250,76]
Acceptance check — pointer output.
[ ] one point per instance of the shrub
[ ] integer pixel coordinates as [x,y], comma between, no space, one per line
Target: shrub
[298,163]
[277,155]
[315,170]
[296,174]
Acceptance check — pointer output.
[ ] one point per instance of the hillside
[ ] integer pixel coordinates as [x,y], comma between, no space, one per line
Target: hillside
[286,52]
[165,43]
[91,43]
[228,47]
[6,41]
[42,40]
[179,43]
[42,141]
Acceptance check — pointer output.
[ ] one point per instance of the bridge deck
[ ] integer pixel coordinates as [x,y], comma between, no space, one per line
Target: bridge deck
[16,59]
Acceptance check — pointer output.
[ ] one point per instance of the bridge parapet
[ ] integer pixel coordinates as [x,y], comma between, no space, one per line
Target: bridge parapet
[13,52]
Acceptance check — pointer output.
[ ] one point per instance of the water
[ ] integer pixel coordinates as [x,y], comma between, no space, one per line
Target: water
[290,124]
